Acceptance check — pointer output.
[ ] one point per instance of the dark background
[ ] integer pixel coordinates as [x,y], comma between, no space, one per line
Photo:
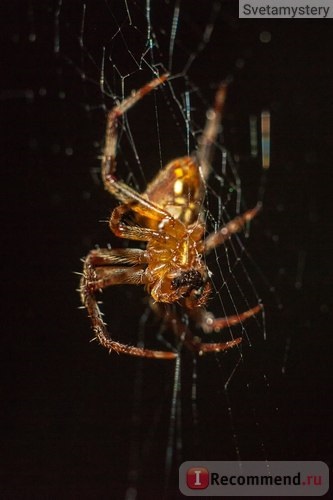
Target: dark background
[68,427]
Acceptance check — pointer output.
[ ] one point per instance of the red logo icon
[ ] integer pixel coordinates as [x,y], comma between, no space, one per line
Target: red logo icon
[197,478]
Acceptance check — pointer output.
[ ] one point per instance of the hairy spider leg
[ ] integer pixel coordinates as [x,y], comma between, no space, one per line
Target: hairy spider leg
[204,154]
[111,135]
[209,324]
[102,269]
[131,199]
[146,208]
[236,225]
[134,232]
[99,273]
[180,329]
[207,140]
[203,318]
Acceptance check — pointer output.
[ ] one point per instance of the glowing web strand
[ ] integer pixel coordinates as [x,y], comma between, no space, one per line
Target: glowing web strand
[149,38]
[265,138]
[174,27]
[206,36]
[172,425]
[83,74]
[102,78]
[253,136]
[187,121]
[128,14]
[82,25]
[56,27]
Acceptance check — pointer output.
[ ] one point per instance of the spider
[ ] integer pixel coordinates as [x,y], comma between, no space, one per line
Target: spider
[169,218]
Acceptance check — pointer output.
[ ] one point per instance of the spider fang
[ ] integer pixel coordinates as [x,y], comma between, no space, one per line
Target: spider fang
[191,279]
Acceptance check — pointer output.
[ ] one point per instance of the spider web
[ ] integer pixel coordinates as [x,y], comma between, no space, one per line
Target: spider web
[216,406]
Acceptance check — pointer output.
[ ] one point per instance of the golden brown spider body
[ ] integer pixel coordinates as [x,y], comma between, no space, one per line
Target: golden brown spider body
[168,216]
[175,268]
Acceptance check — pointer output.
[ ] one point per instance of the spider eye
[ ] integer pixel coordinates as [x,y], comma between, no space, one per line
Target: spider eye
[191,279]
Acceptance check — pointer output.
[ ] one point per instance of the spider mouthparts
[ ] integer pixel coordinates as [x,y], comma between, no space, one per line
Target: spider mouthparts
[191,279]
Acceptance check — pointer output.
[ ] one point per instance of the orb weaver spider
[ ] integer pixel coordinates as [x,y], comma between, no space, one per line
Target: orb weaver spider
[169,217]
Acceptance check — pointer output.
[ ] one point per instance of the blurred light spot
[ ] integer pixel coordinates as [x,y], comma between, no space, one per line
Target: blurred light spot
[240,63]
[265,37]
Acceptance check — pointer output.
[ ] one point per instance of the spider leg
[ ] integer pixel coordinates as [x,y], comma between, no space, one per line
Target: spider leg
[111,136]
[210,324]
[204,318]
[236,225]
[209,135]
[181,330]
[131,199]
[101,269]
[146,209]
[119,189]
[139,203]
[136,231]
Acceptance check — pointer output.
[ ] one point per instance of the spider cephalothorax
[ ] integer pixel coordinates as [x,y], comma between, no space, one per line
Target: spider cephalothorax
[174,266]
[168,216]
